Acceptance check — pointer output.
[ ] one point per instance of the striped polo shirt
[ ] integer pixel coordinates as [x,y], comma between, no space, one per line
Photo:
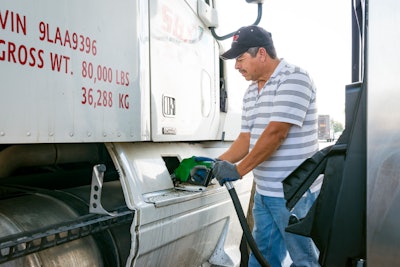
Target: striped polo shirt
[288,96]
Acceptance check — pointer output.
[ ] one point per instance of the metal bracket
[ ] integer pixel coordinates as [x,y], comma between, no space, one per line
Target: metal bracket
[96,189]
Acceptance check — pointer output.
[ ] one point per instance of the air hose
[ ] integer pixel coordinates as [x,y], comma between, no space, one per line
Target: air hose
[246,230]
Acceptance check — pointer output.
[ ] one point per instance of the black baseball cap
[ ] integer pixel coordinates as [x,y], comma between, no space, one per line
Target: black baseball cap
[245,38]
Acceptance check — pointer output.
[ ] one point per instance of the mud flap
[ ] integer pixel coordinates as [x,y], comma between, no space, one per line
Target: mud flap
[336,221]
[297,183]
[309,225]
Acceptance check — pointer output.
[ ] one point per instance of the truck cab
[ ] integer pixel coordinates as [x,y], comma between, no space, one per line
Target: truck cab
[100,103]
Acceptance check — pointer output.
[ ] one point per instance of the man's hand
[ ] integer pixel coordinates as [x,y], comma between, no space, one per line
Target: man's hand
[225,171]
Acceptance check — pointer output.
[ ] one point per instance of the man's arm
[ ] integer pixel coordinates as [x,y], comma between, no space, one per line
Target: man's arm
[238,150]
[270,140]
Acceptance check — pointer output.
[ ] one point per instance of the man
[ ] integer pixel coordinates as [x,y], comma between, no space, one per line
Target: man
[279,131]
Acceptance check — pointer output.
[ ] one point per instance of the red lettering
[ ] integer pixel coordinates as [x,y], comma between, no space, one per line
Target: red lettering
[177,26]
[3,53]
[11,51]
[32,62]
[32,55]
[127,79]
[40,56]
[20,54]
[67,40]
[122,78]
[48,35]
[167,18]
[3,20]
[18,22]
[58,37]
[76,42]
[123,101]
[97,98]
[42,30]
[57,62]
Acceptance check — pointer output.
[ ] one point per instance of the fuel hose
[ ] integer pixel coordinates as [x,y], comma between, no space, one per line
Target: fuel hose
[246,230]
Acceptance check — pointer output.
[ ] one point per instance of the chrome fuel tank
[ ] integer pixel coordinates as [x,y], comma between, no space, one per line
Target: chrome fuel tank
[38,215]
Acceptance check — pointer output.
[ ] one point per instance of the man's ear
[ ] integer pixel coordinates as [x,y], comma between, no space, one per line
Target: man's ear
[263,54]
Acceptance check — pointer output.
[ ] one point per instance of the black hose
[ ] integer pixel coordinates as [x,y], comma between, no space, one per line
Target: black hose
[245,226]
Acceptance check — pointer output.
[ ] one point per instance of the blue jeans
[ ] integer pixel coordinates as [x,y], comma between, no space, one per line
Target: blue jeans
[270,220]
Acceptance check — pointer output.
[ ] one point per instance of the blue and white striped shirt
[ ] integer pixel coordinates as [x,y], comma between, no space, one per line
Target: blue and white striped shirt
[288,96]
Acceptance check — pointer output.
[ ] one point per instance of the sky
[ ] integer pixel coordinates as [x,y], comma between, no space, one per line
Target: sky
[313,34]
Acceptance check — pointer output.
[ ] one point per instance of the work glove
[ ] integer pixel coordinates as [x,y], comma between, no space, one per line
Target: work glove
[225,171]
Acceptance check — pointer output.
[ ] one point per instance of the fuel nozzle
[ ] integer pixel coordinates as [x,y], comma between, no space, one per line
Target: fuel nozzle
[194,170]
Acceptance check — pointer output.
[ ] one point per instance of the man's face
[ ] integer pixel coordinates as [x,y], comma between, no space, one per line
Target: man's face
[248,66]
